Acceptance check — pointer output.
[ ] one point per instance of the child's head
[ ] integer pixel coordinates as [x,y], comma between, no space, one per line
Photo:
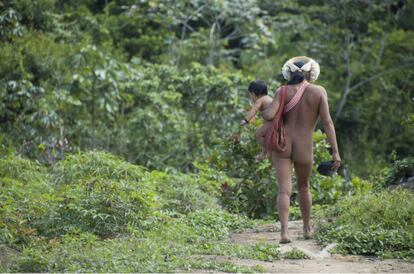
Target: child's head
[258,88]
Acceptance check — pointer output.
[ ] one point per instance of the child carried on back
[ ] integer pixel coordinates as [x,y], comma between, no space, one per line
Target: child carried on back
[258,94]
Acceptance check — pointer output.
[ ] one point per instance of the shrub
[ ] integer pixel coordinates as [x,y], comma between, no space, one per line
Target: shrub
[26,200]
[94,192]
[184,193]
[85,166]
[372,224]
[102,194]
[251,188]
[400,170]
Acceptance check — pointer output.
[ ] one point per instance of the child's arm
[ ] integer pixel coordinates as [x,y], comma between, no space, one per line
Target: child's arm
[252,112]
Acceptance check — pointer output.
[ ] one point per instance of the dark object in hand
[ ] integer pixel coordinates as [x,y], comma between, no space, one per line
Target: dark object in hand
[325,168]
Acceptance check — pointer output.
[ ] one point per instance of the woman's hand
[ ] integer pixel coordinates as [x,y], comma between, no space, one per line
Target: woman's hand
[336,161]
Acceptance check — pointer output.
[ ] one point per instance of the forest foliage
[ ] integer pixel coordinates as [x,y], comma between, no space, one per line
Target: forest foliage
[119,129]
[158,82]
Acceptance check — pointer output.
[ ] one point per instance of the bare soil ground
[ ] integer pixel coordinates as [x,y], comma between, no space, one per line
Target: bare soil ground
[321,261]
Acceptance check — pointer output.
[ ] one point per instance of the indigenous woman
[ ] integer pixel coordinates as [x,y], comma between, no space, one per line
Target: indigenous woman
[300,116]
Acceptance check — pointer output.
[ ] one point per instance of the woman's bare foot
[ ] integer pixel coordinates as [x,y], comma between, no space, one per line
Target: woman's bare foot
[307,232]
[284,241]
[261,156]
[284,237]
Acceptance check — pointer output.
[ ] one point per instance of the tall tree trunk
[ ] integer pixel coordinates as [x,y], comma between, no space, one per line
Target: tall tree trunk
[346,90]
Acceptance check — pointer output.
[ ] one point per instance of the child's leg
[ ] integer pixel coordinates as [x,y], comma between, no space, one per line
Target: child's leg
[260,137]
[261,133]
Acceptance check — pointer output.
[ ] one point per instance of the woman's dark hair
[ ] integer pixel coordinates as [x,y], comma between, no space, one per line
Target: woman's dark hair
[258,87]
[297,76]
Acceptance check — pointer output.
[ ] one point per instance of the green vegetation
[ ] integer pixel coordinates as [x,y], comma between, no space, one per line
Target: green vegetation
[159,84]
[399,171]
[120,145]
[84,252]
[379,224]
[75,215]
[295,254]
[261,251]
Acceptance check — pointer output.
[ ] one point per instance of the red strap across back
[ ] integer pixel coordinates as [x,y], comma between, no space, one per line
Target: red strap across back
[295,100]
[275,137]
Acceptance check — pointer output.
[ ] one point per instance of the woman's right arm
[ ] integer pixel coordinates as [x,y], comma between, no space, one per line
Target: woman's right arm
[328,125]
[270,112]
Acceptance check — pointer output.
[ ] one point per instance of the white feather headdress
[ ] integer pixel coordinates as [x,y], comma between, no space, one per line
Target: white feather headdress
[310,66]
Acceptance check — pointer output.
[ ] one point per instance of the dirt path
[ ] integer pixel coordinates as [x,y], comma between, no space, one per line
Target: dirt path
[320,259]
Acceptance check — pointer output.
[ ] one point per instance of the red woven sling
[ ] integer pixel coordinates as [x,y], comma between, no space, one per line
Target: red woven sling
[275,139]
[275,136]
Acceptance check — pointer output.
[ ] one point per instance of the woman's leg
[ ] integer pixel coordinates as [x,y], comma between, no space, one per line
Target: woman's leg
[303,173]
[283,168]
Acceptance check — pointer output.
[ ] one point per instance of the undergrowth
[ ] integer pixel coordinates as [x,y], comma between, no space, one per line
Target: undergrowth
[399,171]
[380,224]
[295,254]
[96,212]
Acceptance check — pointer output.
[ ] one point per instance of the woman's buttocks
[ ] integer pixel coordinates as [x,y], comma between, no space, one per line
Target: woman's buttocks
[302,148]
[300,135]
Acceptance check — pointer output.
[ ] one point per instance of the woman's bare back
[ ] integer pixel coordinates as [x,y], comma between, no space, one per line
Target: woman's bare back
[300,123]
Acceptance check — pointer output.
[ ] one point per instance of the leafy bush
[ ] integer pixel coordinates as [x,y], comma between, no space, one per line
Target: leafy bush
[372,224]
[95,192]
[86,166]
[102,194]
[26,200]
[184,193]
[251,189]
[36,14]
[400,170]
[179,110]
[328,190]
[72,216]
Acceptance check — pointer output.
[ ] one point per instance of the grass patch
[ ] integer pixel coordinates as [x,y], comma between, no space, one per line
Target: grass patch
[215,224]
[295,254]
[259,251]
[201,263]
